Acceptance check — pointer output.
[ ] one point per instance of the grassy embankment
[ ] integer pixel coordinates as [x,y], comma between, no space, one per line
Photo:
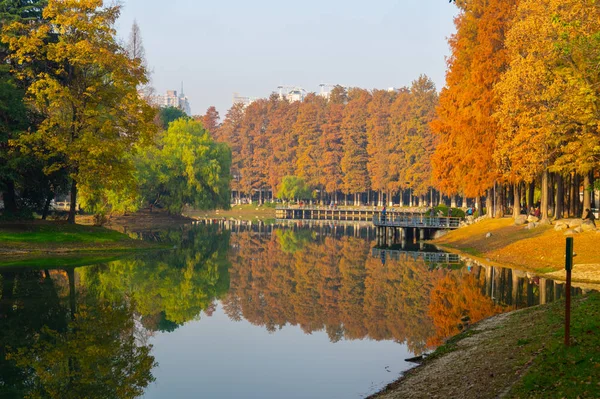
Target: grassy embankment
[540,250]
[241,212]
[514,355]
[40,243]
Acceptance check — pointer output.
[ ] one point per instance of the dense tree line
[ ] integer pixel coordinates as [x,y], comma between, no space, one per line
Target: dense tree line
[354,142]
[519,112]
[516,123]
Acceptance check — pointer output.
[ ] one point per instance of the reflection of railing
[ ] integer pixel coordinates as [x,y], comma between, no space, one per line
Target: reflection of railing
[428,257]
[419,221]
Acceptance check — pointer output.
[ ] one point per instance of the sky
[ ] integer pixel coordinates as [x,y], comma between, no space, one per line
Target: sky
[251,47]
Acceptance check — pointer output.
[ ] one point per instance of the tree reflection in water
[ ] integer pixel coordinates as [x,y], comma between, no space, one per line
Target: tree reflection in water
[331,283]
[62,344]
[82,333]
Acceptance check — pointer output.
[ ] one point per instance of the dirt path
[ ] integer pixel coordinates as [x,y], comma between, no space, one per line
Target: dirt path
[484,362]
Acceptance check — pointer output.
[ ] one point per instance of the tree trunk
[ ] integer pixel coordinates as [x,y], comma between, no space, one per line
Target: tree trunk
[559,202]
[587,190]
[478,205]
[49,199]
[531,194]
[544,204]
[516,201]
[489,203]
[453,201]
[592,182]
[552,194]
[573,196]
[498,201]
[73,207]
[9,197]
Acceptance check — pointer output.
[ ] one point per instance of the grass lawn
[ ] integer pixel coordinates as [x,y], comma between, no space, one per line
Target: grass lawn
[243,212]
[559,371]
[45,237]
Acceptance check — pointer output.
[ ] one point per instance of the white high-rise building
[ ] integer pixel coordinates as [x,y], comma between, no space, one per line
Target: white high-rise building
[172,99]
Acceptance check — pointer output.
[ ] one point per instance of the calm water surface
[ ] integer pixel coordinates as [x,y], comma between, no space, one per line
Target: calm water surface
[261,311]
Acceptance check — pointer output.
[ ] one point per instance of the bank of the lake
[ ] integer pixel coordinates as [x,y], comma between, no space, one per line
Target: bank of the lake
[514,355]
[540,250]
[241,212]
[24,240]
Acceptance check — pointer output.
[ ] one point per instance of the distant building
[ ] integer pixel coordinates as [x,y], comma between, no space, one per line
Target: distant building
[245,101]
[171,99]
[292,93]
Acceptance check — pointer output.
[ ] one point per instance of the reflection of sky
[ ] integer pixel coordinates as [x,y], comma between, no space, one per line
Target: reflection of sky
[219,358]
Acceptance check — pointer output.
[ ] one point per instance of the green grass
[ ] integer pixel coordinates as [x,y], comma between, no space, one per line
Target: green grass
[41,238]
[60,233]
[566,372]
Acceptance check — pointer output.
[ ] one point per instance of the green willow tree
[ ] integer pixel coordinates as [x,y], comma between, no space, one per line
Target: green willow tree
[293,188]
[92,113]
[186,167]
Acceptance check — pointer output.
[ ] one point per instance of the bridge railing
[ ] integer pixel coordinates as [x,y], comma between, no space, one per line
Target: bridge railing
[413,210]
[441,222]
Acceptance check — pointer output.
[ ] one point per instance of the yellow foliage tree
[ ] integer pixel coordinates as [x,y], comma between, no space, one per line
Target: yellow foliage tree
[87,94]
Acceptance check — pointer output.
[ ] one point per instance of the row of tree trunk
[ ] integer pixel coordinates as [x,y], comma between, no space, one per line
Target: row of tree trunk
[556,195]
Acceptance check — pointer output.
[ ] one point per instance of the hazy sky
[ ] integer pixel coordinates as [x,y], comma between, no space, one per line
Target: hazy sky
[251,47]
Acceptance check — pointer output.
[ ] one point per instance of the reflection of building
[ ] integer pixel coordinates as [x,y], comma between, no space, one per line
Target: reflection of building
[171,99]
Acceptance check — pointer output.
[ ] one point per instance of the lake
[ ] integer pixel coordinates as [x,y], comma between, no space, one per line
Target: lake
[239,310]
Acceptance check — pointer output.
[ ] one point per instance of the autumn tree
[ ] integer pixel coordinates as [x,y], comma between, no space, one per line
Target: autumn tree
[230,132]
[283,140]
[92,112]
[419,144]
[463,162]
[550,97]
[308,129]
[355,158]
[210,120]
[400,117]
[253,149]
[378,141]
[331,141]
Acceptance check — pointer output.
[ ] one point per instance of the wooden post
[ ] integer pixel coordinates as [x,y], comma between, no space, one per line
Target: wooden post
[568,267]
